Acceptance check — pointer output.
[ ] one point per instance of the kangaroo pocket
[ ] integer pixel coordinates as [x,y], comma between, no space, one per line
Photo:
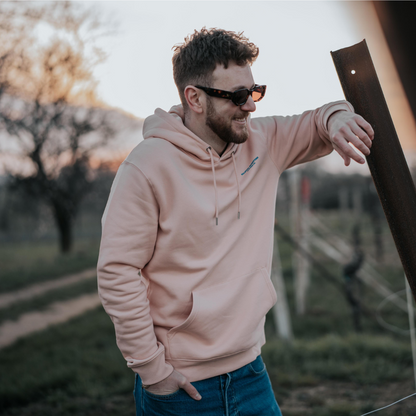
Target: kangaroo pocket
[225,318]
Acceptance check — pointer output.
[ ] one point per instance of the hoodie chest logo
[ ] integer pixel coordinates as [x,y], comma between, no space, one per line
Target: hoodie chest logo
[251,165]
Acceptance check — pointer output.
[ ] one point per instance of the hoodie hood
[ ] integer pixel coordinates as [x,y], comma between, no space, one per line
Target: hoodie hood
[170,126]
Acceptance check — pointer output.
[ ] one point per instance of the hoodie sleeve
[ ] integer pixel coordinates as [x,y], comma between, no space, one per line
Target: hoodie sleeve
[300,138]
[129,230]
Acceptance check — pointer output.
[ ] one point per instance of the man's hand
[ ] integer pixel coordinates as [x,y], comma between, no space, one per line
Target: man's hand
[172,384]
[344,128]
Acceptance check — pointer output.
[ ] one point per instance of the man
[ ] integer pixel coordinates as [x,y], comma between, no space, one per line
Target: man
[186,251]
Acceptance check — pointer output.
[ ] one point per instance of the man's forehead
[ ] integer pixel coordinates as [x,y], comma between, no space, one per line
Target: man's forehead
[232,77]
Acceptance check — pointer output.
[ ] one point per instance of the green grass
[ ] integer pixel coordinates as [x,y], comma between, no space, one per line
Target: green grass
[359,359]
[26,263]
[74,368]
[40,303]
[59,405]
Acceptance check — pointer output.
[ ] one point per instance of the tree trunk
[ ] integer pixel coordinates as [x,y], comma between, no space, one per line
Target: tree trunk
[64,222]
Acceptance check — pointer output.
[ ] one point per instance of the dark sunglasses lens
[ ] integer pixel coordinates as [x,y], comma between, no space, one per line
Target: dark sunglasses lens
[240,97]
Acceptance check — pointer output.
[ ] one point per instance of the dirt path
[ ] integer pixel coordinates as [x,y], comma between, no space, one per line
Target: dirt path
[57,313]
[7,299]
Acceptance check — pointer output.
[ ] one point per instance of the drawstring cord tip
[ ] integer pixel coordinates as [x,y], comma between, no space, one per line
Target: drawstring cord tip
[216,220]
[238,215]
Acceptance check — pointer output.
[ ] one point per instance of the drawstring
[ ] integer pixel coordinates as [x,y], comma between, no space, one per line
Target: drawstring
[238,185]
[215,185]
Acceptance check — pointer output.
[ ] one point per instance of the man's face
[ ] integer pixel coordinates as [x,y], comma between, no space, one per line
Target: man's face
[227,120]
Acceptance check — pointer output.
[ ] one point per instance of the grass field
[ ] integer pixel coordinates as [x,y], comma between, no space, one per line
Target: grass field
[329,370]
[26,263]
[76,369]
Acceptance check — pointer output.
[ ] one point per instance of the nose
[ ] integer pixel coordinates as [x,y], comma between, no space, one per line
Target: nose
[249,106]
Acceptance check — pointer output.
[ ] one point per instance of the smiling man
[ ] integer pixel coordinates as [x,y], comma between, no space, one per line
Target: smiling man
[187,243]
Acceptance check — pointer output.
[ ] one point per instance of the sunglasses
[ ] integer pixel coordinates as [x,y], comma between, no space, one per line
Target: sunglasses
[238,97]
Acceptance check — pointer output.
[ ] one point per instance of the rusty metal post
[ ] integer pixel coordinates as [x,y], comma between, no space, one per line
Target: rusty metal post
[387,163]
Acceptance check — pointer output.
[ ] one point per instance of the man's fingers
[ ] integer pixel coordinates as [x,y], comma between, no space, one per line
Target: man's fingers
[366,127]
[361,136]
[346,151]
[350,132]
[354,134]
[343,155]
[191,390]
[172,384]
[358,142]
[188,387]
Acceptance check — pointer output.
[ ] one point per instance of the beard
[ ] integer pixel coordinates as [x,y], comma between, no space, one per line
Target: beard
[223,128]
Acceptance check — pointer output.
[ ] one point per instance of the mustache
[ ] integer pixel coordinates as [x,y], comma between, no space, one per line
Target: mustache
[240,116]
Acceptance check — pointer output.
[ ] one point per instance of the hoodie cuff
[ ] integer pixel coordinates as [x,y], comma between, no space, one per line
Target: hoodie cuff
[151,372]
[334,108]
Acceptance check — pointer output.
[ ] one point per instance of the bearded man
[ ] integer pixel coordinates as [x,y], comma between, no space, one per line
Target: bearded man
[187,243]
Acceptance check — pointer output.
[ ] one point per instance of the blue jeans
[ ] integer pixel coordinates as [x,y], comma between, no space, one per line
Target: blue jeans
[243,392]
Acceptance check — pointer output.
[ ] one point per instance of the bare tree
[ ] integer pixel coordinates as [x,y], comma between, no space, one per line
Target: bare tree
[49,108]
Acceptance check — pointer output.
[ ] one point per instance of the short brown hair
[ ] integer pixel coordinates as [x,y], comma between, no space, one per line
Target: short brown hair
[195,60]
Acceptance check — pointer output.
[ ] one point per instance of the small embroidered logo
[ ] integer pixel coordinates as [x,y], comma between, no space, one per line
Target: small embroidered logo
[251,165]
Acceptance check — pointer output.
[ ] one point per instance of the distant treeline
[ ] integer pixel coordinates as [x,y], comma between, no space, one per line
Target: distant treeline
[25,218]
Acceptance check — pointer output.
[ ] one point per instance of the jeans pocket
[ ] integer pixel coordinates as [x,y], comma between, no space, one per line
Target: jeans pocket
[161,397]
[257,367]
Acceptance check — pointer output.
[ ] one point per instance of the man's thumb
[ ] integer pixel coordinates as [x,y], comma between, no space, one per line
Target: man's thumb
[192,391]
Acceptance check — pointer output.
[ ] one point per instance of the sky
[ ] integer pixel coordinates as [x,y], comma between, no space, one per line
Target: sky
[295,40]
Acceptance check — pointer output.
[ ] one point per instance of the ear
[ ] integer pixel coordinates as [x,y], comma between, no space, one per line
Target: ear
[194,98]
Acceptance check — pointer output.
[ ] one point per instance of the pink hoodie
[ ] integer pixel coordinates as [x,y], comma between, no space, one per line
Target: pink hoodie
[182,291]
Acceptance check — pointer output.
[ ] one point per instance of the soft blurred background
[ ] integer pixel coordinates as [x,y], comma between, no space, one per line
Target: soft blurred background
[77,80]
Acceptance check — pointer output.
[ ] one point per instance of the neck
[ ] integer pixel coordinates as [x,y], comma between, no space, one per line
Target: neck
[199,128]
